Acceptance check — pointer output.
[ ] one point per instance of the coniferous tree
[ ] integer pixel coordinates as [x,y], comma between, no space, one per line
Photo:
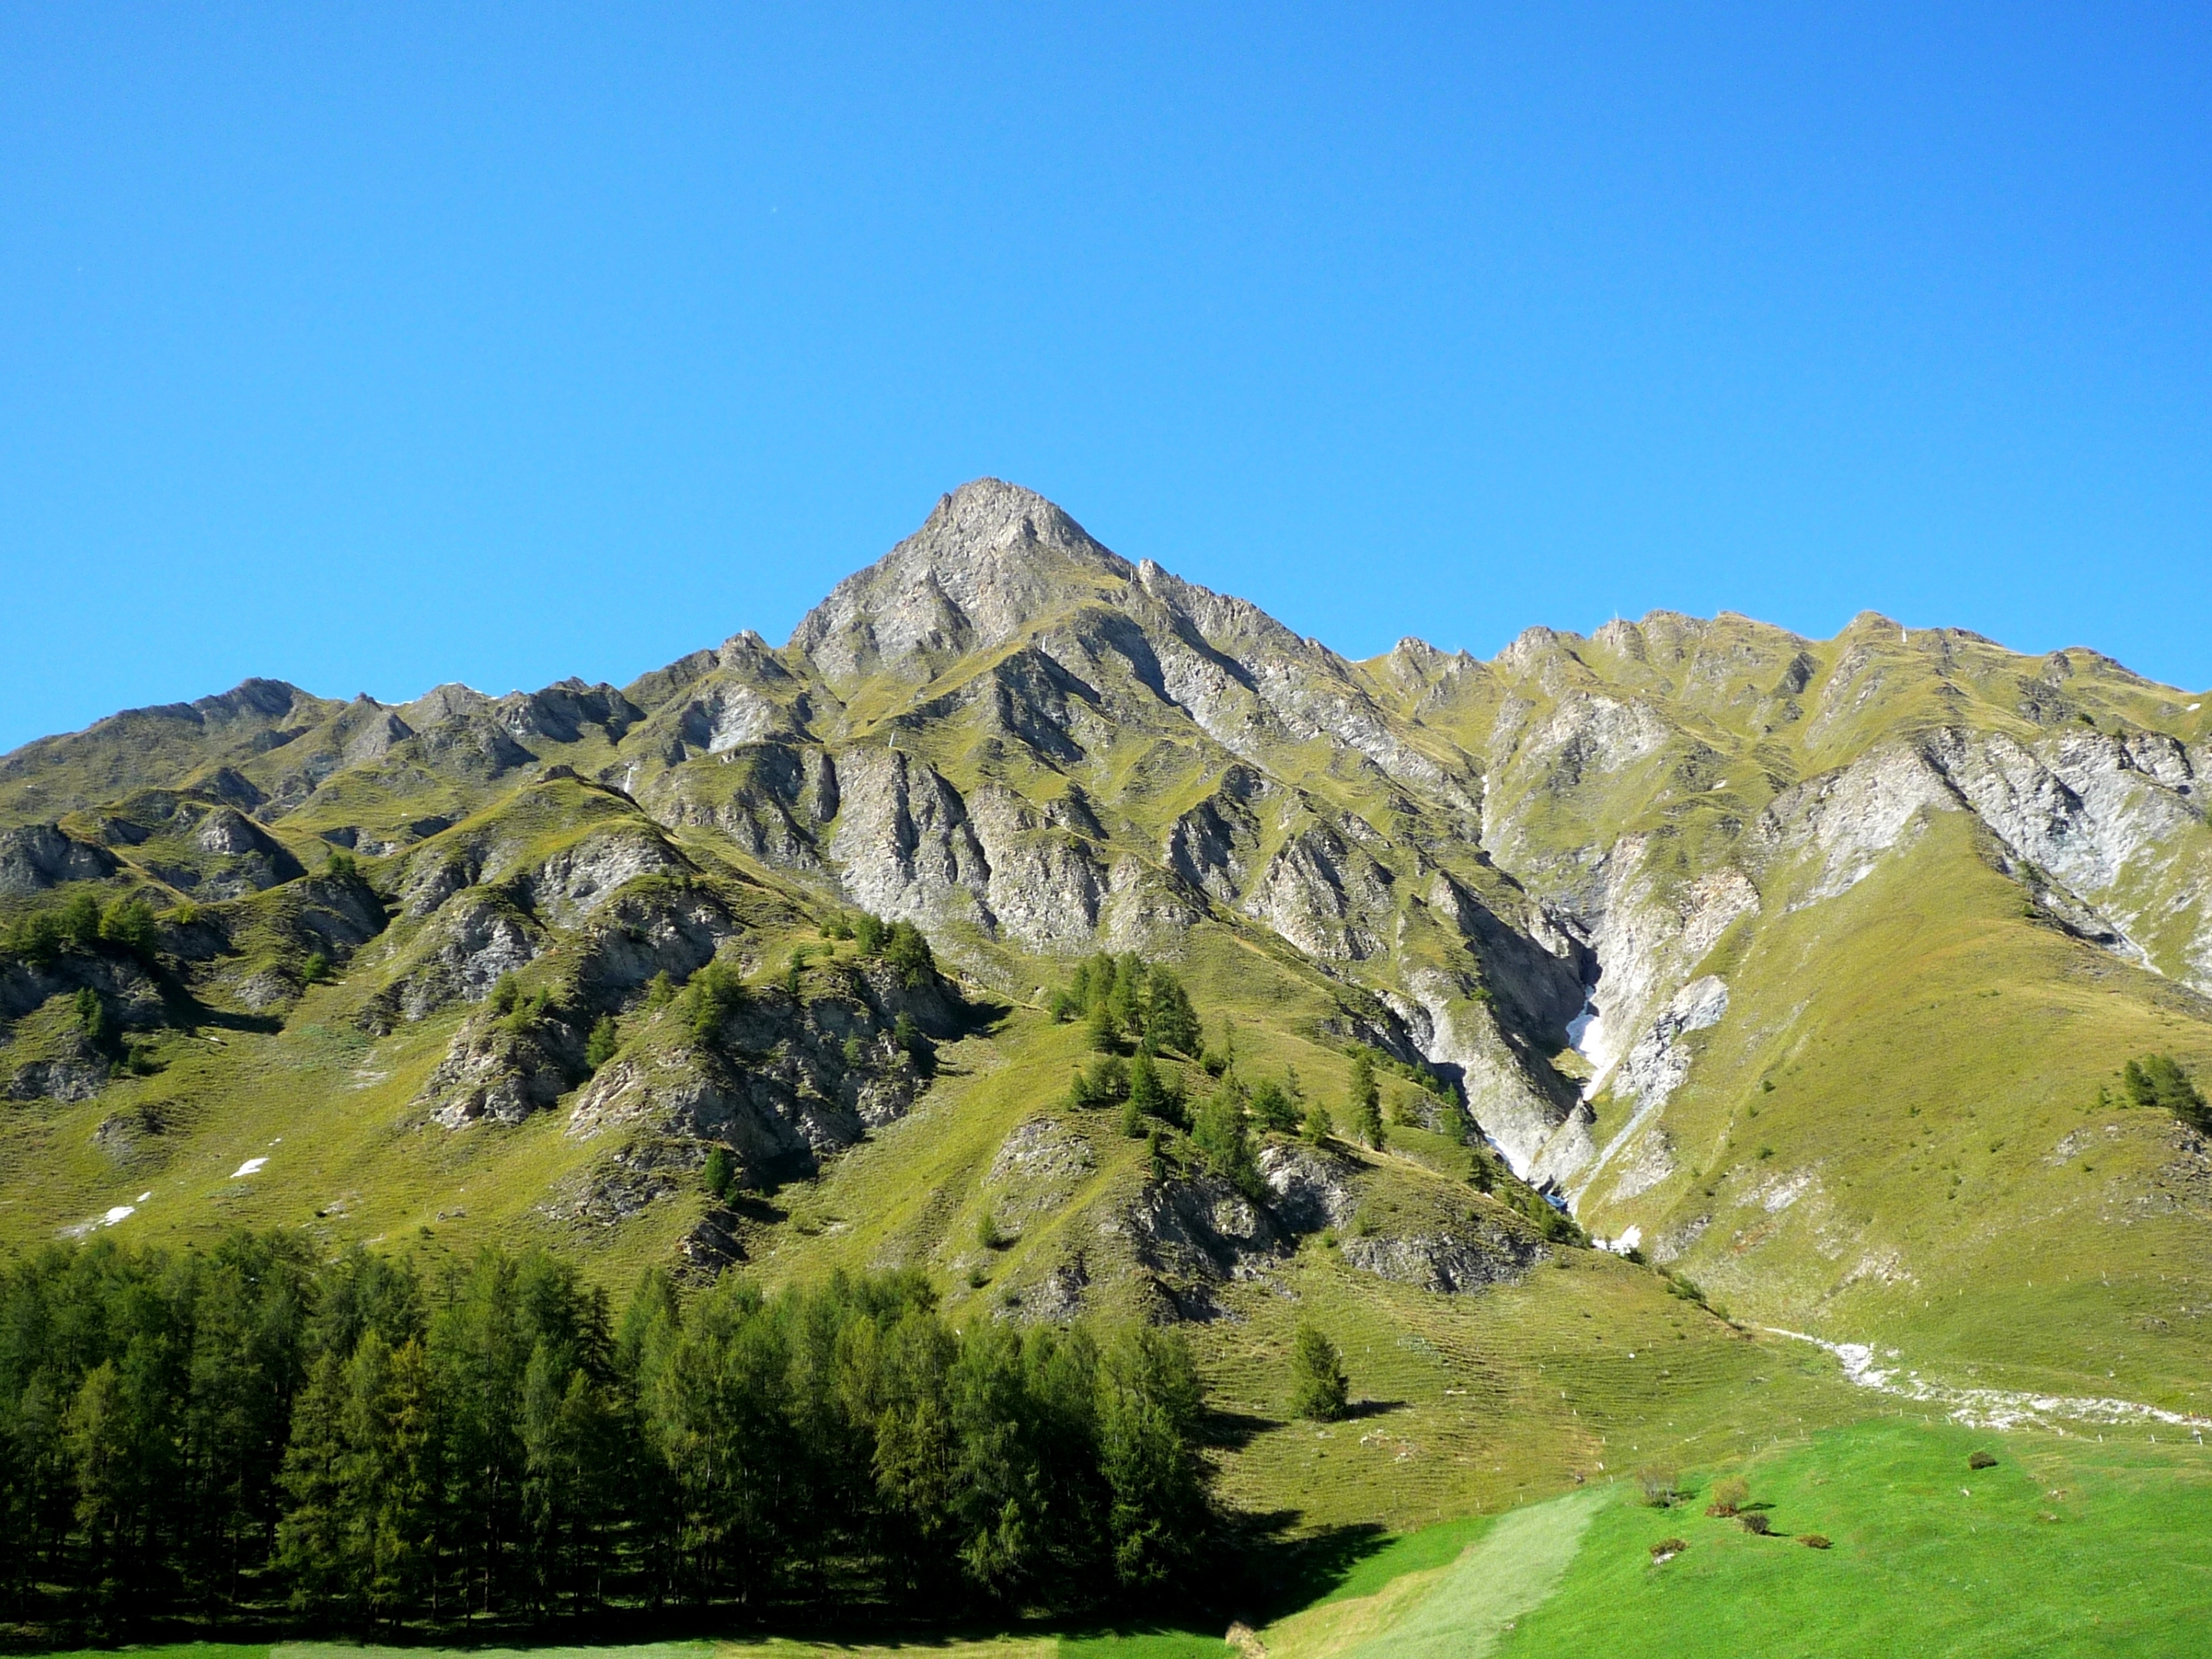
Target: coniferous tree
[1366,1102]
[1319,1387]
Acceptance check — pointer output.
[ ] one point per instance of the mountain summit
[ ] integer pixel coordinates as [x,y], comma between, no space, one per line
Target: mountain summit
[991,559]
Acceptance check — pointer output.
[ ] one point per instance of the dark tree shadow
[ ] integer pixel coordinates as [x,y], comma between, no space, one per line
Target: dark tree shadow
[1234,1430]
[1267,1570]
[1360,1408]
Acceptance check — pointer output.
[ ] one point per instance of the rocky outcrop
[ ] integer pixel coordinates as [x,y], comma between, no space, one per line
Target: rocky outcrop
[1193,1233]
[475,941]
[783,1084]
[1449,1262]
[904,847]
[59,1079]
[40,856]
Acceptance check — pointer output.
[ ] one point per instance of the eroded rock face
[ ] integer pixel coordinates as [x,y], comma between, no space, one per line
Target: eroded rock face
[59,1079]
[1311,1186]
[495,1072]
[903,844]
[1194,1233]
[1449,1263]
[777,1085]
[474,941]
[1036,1170]
[40,856]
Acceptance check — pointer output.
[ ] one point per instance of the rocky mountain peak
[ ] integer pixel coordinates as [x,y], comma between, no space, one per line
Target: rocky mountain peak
[991,558]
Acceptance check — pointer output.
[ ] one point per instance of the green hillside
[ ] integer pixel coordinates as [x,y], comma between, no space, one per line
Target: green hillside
[1803,973]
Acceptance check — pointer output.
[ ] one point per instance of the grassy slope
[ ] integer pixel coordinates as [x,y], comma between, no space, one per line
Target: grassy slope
[1474,1402]
[1932,1052]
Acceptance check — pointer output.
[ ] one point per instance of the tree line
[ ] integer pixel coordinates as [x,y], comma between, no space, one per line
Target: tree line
[247,1431]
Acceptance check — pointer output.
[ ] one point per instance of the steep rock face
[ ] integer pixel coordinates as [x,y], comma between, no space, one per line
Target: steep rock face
[1652,1070]
[903,845]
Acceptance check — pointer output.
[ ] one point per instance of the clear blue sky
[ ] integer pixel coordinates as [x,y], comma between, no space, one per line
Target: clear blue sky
[371,346]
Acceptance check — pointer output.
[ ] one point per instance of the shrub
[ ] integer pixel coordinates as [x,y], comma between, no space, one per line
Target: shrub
[340,866]
[600,1047]
[506,992]
[1318,1128]
[793,969]
[854,1049]
[987,1234]
[1755,1523]
[2157,1080]
[660,990]
[1133,1119]
[721,1171]
[1729,1495]
[1814,1540]
[1657,1486]
[870,932]
[1319,1387]
[1981,1459]
[315,969]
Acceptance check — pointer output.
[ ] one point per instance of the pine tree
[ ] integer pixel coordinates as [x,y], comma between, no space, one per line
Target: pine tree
[1318,1126]
[1170,1022]
[600,1048]
[1366,1102]
[1319,1387]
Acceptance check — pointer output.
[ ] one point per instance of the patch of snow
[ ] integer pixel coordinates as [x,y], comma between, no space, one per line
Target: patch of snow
[251,1166]
[1987,1408]
[119,1213]
[1630,1239]
[142,1197]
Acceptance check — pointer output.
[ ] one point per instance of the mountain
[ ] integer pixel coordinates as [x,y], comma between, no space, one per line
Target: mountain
[1807,968]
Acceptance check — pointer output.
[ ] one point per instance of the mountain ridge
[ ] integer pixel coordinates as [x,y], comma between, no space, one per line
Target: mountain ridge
[1606,900]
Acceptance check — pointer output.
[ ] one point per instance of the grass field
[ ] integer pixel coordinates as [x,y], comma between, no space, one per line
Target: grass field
[2068,1546]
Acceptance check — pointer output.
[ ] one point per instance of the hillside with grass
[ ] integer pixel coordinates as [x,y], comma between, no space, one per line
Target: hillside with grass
[1094,947]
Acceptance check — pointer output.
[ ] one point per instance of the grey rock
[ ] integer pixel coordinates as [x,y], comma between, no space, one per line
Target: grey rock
[40,856]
